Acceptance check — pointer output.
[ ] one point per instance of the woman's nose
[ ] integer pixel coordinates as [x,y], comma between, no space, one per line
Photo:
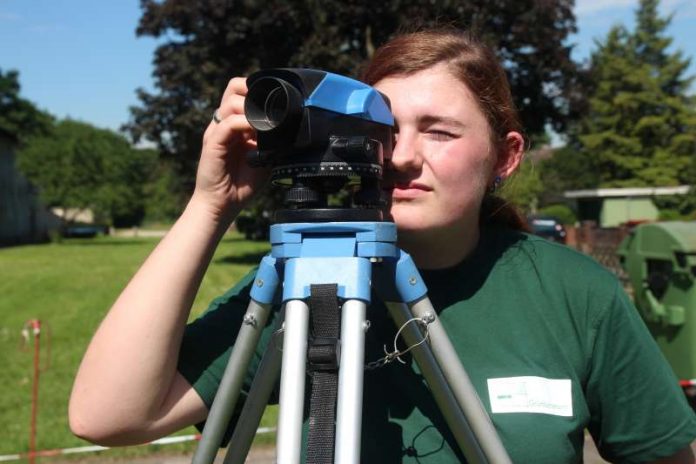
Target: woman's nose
[406,154]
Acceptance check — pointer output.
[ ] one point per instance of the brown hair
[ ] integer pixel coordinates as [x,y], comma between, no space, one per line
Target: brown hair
[477,66]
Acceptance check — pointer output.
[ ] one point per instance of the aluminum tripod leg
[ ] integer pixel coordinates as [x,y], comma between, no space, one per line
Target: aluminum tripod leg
[350,383]
[292,382]
[442,368]
[255,404]
[442,393]
[231,383]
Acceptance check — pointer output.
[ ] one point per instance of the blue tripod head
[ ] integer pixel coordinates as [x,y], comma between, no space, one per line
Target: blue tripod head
[320,133]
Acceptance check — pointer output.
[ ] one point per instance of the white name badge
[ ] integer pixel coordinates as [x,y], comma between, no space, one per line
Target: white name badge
[531,394]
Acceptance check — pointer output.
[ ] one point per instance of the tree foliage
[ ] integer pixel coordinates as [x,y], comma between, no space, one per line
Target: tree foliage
[641,126]
[561,212]
[524,188]
[78,166]
[207,42]
[567,169]
[19,118]
[163,197]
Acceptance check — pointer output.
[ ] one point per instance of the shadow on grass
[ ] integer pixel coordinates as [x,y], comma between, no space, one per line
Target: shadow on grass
[246,258]
[106,241]
[229,238]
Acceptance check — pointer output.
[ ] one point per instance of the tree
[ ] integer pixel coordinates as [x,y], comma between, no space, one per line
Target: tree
[78,166]
[641,126]
[567,169]
[19,118]
[524,188]
[207,42]
[162,193]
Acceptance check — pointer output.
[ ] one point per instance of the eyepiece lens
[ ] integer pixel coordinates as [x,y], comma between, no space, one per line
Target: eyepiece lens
[270,103]
[276,106]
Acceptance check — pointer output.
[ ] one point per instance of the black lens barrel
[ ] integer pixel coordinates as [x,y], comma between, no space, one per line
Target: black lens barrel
[272,103]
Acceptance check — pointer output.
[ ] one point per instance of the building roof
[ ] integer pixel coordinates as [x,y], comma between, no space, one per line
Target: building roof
[629,192]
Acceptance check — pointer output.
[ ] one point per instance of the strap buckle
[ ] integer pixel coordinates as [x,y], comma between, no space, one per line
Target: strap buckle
[324,353]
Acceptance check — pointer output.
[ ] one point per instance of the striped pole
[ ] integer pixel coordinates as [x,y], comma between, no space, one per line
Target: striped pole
[35,326]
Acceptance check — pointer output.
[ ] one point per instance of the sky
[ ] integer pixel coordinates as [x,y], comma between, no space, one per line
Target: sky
[81,58]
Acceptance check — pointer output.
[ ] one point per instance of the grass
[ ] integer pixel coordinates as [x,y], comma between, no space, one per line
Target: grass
[69,287]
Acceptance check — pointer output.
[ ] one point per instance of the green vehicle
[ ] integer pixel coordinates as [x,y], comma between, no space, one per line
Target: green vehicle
[660,259]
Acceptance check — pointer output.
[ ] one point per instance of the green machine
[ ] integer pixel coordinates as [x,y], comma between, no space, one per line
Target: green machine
[660,259]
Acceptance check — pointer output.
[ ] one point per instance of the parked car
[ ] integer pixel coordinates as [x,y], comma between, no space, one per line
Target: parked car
[548,227]
[82,230]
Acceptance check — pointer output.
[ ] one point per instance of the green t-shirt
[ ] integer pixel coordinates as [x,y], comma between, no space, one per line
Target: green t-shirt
[551,342]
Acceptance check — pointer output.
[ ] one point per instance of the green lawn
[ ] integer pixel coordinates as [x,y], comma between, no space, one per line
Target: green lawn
[69,287]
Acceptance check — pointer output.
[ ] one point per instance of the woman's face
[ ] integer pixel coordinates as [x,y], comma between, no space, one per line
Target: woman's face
[443,159]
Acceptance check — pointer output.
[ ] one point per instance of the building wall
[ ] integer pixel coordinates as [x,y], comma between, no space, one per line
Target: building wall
[617,211]
[22,217]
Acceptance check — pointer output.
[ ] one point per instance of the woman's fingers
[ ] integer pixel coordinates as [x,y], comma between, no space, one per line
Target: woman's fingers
[236,86]
[231,104]
[222,134]
[223,174]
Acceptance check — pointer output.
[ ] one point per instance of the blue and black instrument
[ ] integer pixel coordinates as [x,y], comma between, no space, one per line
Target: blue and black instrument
[320,133]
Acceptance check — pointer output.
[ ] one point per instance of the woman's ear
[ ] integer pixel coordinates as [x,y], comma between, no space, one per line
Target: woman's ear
[510,155]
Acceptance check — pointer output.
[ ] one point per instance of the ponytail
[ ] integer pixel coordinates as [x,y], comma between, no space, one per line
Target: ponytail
[498,212]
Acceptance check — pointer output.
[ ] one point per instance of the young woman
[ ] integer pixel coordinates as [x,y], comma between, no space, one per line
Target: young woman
[551,342]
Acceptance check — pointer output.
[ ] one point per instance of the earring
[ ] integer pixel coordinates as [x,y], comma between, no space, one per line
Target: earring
[496,183]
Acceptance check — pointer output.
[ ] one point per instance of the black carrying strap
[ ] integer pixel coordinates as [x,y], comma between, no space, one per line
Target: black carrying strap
[323,354]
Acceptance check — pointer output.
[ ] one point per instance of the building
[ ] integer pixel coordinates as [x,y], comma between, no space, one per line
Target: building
[611,207]
[23,219]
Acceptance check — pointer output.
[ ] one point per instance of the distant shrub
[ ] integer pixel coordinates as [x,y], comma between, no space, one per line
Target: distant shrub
[671,215]
[561,212]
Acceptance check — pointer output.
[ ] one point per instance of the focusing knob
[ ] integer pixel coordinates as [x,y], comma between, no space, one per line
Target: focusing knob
[301,195]
[350,148]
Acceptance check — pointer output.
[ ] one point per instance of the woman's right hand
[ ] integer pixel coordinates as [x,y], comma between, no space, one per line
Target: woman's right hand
[224,181]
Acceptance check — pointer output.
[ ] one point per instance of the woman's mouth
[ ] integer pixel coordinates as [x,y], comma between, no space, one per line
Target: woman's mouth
[407,190]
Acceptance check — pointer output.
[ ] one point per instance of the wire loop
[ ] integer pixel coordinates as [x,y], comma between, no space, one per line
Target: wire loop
[396,353]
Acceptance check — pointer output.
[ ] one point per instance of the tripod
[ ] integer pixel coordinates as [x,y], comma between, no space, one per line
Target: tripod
[350,255]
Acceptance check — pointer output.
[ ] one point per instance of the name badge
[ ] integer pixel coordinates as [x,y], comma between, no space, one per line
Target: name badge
[531,395]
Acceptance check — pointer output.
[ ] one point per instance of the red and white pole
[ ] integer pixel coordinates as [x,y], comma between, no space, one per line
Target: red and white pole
[33,327]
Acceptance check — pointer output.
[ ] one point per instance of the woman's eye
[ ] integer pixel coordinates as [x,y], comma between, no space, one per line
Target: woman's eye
[440,136]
